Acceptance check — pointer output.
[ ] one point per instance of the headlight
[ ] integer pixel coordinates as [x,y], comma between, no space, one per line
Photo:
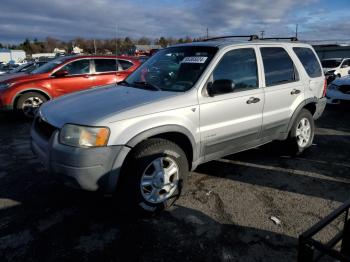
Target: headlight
[4,85]
[333,87]
[83,136]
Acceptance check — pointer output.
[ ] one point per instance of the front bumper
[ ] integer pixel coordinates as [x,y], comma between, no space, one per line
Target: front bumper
[86,168]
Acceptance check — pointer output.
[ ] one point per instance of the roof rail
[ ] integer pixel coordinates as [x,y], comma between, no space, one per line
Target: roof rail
[293,39]
[251,37]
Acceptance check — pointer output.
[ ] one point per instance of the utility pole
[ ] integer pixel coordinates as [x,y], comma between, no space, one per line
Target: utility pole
[207,32]
[296,30]
[262,34]
[95,46]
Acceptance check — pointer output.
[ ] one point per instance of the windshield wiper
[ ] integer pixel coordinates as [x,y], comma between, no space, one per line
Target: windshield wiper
[147,85]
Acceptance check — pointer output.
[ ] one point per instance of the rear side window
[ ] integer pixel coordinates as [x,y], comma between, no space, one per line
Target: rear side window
[279,67]
[240,66]
[105,65]
[125,64]
[309,61]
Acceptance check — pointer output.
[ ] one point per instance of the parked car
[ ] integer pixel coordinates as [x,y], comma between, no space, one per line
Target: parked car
[62,76]
[339,91]
[27,67]
[184,106]
[338,67]
[5,68]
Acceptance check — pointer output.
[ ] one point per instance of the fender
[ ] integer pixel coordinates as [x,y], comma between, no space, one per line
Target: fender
[29,90]
[166,129]
[310,100]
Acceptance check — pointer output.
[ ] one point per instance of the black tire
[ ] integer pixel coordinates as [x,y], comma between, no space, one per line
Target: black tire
[130,192]
[23,99]
[294,147]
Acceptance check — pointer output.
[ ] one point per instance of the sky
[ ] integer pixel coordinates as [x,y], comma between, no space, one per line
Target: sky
[103,19]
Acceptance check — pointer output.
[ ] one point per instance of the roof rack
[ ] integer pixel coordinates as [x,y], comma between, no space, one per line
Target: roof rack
[251,37]
[293,39]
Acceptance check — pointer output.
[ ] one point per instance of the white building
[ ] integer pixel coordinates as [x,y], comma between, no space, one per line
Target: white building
[7,55]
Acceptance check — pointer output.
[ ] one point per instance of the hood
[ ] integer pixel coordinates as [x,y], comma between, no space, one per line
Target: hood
[342,81]
[7,77]
[100,106]
[22,77]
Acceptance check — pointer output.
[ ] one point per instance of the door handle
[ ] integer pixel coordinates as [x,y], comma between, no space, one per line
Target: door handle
[253,100]
[295,92]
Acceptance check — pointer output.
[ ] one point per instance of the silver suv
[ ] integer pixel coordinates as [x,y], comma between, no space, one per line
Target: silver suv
[186,105]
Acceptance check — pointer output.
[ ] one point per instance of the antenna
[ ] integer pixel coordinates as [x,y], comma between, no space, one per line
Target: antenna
[296,31]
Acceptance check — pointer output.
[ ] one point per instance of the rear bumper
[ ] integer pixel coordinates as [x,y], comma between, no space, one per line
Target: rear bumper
[86,168]
[320,106]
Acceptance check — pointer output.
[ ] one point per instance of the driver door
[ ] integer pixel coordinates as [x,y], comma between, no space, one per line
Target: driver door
[232,122]
[79,77]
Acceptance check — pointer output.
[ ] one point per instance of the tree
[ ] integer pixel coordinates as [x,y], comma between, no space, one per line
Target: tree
[163,42]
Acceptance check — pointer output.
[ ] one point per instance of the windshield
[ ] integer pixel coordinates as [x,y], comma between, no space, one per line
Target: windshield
[330,63]
[173,69]
[50,65]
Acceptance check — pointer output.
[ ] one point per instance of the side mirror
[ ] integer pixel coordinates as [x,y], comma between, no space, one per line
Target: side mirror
[61,73]
[349,72]
[219,87]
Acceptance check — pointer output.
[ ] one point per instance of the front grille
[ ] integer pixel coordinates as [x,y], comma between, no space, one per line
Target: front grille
[344,89]
[44,128]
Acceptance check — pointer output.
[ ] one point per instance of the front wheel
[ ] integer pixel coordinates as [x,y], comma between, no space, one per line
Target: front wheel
[29,103]
[302,132]
[154,176]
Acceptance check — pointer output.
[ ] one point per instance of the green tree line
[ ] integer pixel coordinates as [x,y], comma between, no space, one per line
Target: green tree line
[100,46]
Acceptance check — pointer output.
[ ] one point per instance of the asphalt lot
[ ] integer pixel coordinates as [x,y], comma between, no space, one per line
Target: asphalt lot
[224,216]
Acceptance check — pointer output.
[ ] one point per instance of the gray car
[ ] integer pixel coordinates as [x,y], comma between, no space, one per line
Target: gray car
[186,105]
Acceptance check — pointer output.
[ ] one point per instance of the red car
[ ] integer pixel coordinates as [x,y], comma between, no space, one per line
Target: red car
[62,76]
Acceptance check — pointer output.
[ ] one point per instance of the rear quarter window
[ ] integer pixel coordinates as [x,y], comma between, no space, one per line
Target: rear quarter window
[308,59]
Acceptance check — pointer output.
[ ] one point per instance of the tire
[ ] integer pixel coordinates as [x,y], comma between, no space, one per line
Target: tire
[142,187]
[28,103]
[302,133]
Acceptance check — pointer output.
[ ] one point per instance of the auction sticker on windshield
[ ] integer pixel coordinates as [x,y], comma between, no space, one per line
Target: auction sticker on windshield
[194,59]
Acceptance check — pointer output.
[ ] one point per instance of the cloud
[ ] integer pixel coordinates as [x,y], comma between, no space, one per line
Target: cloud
[67,19]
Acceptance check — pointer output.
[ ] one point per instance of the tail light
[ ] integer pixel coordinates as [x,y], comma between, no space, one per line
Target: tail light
[324,88]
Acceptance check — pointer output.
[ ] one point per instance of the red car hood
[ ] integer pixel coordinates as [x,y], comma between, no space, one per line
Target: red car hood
[21,77]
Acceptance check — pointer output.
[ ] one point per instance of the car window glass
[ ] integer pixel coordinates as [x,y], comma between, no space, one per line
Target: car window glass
[309,61]
[125,64]
[239,66]
[105,65]
[278,66]
[78,67]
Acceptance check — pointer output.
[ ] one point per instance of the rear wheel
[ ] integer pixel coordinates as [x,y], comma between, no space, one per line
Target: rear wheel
[302,132]
[154,176]
[29,103]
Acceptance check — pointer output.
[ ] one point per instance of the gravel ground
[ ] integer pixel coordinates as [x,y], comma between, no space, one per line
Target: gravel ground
[224,216]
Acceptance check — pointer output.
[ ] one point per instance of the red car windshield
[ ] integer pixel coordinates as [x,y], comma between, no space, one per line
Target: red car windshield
[45,68]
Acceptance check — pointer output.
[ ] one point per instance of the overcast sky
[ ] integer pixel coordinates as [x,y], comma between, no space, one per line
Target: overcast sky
[67,19]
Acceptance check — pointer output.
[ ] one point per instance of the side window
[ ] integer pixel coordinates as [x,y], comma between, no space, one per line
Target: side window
[309,61]
[279,67]
[79,67]
[125,64]
[239,66]
[105,65]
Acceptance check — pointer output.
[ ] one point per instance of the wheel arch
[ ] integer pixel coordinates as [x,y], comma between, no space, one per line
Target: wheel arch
[174,133]
[29,90]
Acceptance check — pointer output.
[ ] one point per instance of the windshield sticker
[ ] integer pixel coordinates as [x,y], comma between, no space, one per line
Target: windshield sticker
[194,59]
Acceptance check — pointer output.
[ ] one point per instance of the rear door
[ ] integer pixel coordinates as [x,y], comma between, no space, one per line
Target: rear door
[232,122]
[283,90]
[79,77]
[105,71]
